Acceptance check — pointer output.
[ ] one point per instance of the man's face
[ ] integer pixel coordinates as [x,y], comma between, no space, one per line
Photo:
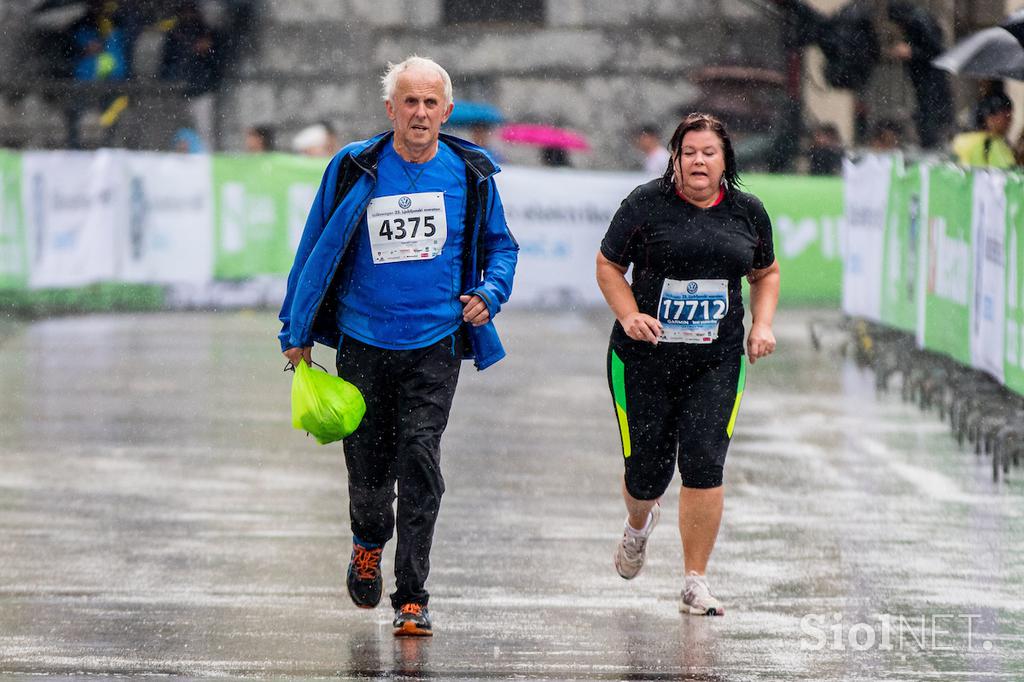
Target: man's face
[418,109]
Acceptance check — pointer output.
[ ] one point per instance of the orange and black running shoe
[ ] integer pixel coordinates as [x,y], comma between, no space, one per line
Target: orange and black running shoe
[412,620]
[365,583]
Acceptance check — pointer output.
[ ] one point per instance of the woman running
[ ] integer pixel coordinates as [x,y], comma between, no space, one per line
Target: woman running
[675,361]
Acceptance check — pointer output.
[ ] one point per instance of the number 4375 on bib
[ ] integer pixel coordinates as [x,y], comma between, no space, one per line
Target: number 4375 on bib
[406,227]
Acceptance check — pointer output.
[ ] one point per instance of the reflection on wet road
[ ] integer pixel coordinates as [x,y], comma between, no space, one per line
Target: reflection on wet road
[159,516]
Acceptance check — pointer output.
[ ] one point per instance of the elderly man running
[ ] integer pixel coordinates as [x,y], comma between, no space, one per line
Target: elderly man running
[404,261]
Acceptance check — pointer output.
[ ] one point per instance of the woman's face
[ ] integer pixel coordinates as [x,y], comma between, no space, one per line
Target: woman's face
[700,164]
[999,122]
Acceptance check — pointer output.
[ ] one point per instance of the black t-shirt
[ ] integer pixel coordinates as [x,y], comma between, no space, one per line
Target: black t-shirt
[666,237]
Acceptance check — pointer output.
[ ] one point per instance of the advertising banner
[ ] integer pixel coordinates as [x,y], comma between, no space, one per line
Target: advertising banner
[70,207]
[988,306]
[165,219]
[260,207]
[1013,366]
[947,292]
[866,183]
[559,218]
[905,216]
[807,219]
[13,246]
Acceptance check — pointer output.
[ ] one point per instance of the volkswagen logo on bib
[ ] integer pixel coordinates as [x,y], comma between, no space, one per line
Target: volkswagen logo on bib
[404,203]
[691,288]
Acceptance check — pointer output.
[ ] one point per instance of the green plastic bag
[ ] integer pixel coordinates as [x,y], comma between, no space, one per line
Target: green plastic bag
[326,406]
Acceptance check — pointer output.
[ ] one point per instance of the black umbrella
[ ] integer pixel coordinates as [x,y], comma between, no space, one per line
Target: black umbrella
[1015,25]
[990,53]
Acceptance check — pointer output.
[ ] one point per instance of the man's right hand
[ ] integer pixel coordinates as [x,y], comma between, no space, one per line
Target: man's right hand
[296,354]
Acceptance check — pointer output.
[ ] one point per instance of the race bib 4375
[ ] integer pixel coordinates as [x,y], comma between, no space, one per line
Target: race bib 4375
[407,226]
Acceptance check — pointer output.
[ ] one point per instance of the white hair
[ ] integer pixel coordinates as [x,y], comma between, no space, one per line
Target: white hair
[390,80]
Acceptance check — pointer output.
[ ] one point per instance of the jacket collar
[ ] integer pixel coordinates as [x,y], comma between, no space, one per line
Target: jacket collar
[367,155]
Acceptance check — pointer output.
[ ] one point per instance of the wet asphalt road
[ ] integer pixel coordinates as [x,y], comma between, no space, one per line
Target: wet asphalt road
[159,517]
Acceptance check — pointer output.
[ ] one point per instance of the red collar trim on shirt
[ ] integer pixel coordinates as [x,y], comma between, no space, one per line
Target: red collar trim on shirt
[718,199]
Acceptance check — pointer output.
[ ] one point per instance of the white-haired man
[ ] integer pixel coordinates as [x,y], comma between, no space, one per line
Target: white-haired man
[404,261]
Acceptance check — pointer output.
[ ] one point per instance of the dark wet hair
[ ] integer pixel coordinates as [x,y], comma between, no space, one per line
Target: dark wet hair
[994,103]
[701,121]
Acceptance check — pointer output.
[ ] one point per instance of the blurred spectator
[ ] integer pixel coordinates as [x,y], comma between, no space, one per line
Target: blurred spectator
[986,145]
[314,140]
[190,51]
[825,151]
[259,139]
[886,135]
[850,41]
[187,141]
[922,42]
[98,44]
[98,52]
[191,56]
[332,145]
[554,156]
[647,139]
[481,134]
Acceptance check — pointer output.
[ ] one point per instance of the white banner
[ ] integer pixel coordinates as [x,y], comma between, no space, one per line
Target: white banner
[866,198]
[165,219]
[988,306]
[559,217]
[69,202]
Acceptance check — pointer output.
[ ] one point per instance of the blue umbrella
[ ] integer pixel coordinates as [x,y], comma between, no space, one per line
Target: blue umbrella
[474,113]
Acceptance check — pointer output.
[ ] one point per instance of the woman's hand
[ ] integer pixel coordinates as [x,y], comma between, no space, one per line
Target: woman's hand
[641,327]
[760,341]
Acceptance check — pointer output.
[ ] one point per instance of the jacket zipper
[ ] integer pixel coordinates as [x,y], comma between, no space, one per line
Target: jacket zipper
[341,252]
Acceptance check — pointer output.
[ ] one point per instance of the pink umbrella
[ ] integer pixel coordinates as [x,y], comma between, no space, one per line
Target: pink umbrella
[543,136]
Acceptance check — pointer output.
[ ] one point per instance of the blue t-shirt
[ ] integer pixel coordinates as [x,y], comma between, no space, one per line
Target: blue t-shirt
[407,303]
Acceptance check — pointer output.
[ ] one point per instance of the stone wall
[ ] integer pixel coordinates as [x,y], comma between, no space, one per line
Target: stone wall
[599,66]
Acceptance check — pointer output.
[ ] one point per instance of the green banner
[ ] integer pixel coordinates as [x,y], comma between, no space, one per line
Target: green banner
[902,247]
[13,244]
[260,206]
[948,269]
[1014,355]
[806,215]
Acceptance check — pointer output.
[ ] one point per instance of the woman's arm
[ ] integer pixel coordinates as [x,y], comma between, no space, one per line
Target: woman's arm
[611,278]
[764,298]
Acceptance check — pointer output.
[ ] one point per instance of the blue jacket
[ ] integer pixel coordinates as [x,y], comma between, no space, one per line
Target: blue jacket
[309,311]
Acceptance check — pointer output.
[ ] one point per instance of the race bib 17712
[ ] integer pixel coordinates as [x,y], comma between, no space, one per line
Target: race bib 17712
[407,226]
[690,310]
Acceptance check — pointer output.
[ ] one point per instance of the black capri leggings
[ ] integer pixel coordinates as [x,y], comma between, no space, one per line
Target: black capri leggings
[670,400]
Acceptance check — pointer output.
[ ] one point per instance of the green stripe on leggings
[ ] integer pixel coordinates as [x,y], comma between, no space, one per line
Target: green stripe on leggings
[619,391]
[740,385]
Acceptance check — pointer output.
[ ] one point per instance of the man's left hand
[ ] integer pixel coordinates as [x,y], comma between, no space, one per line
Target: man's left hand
[474,311]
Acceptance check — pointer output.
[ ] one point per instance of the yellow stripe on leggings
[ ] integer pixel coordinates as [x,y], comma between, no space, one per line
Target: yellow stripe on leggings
[619,393]
[740,385]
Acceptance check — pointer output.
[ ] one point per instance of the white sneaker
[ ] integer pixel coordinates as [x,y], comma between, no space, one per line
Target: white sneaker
[630,554]
[696,598]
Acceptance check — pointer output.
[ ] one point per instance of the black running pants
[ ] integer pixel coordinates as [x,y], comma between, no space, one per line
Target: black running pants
[408,397]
